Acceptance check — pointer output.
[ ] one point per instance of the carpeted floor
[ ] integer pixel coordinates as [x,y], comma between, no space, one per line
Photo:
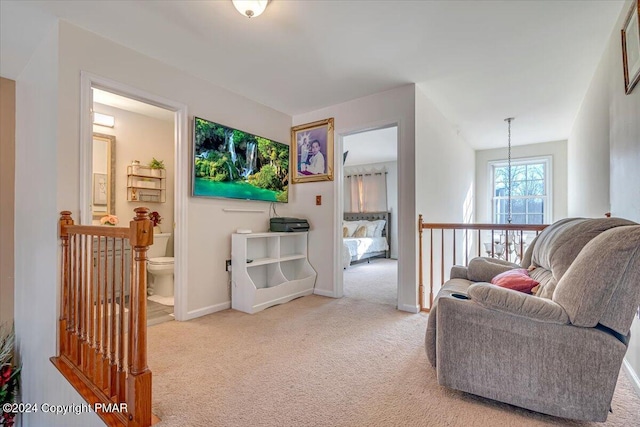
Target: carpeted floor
[374,282]
[315,361]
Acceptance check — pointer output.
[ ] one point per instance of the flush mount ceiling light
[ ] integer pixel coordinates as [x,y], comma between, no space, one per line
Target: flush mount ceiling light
[250,8]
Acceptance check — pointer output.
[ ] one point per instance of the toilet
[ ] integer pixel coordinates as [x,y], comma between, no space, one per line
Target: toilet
[159,267]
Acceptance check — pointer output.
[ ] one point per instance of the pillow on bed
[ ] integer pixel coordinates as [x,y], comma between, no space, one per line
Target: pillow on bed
[379,227]
[351,227]
[371,228]
[361,231]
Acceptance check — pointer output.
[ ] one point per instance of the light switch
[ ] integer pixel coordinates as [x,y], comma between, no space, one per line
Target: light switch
[318,200]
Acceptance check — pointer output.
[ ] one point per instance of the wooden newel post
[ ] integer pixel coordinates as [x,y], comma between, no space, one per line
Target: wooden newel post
[139,379]
[65,220]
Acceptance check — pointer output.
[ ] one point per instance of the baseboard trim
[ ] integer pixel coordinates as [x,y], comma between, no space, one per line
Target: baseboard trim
[409,308]
[324,293]
[632,376]
[207,310]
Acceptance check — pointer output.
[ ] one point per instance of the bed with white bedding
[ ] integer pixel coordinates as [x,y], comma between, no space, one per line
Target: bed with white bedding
[365,235]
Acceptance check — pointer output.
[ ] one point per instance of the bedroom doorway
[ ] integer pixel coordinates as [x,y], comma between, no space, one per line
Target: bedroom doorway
[370,206]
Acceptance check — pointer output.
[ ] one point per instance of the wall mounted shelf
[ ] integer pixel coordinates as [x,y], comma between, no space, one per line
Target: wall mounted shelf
[145,184]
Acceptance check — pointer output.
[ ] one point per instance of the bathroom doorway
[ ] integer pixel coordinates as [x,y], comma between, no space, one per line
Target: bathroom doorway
[147,168]
[139,172]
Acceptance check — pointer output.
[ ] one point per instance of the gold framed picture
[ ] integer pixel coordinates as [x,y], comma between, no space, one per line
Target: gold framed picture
[631,48]
[312,152]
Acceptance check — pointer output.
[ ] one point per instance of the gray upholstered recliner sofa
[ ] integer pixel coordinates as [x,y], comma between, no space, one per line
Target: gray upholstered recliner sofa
[558,352]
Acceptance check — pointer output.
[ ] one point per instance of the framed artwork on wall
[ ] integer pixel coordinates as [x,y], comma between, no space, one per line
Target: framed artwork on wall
[312,152]
[631,48]
[100,189]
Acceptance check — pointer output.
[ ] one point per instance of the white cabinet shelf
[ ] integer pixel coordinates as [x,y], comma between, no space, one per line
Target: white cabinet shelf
[269,269]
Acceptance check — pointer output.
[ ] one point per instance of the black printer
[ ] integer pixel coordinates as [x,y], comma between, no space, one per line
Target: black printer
[282,223]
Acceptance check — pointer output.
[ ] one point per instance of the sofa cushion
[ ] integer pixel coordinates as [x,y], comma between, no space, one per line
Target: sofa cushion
[526,258]
[517,279]
[560,243]
[603,283]
[547,283]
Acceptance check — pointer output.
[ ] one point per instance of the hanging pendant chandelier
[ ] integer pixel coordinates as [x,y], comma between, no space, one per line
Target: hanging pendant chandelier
[509,218]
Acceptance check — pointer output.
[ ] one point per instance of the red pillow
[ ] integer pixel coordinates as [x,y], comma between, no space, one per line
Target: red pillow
[517,279]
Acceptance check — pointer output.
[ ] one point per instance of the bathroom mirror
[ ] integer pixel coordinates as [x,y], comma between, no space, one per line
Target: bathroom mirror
[103,175]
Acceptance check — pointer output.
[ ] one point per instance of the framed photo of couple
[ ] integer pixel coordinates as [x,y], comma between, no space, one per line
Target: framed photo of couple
[312,152]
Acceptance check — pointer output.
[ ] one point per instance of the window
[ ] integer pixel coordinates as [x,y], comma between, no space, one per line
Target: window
[530,191]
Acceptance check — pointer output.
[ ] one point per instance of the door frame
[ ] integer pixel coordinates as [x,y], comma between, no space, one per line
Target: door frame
[339,201]
[181,181]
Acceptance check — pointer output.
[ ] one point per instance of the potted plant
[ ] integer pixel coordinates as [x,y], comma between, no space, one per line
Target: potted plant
[156,167]
[9,376]
[156,219]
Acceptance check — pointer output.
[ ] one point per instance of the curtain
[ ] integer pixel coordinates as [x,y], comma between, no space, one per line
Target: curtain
[366,192]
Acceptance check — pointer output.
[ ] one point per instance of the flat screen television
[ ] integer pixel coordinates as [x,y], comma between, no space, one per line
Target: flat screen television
[238,165]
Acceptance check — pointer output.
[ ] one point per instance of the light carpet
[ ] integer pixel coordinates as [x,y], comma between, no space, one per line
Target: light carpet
[316,361]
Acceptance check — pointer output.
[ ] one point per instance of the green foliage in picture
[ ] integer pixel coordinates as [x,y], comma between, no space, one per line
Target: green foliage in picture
[236,164]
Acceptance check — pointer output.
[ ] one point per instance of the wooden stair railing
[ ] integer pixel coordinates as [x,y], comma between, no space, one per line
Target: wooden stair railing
[103,317]
[505,241]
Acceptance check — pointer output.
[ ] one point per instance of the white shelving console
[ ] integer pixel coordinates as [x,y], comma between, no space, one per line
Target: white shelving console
[269,269]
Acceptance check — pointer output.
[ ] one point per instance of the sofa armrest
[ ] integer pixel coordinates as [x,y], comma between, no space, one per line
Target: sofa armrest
[518,303]
[458,272]
[483,269]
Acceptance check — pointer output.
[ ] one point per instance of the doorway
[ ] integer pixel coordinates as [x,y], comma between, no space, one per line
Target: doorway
[370,206]
[136,130]
[149,168]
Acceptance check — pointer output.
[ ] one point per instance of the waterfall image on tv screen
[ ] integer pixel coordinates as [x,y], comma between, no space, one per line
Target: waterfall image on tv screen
[235,164]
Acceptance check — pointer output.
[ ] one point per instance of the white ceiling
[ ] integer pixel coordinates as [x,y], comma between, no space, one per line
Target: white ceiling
[376,146]
[478,61]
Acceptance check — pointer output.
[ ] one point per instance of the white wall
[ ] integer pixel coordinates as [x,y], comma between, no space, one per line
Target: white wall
[445,171]
[588,150]
[371,112]
[209,228]
[558,152]
[39,164]
[604,153]
[47,181]
[392,195]
[140,137]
